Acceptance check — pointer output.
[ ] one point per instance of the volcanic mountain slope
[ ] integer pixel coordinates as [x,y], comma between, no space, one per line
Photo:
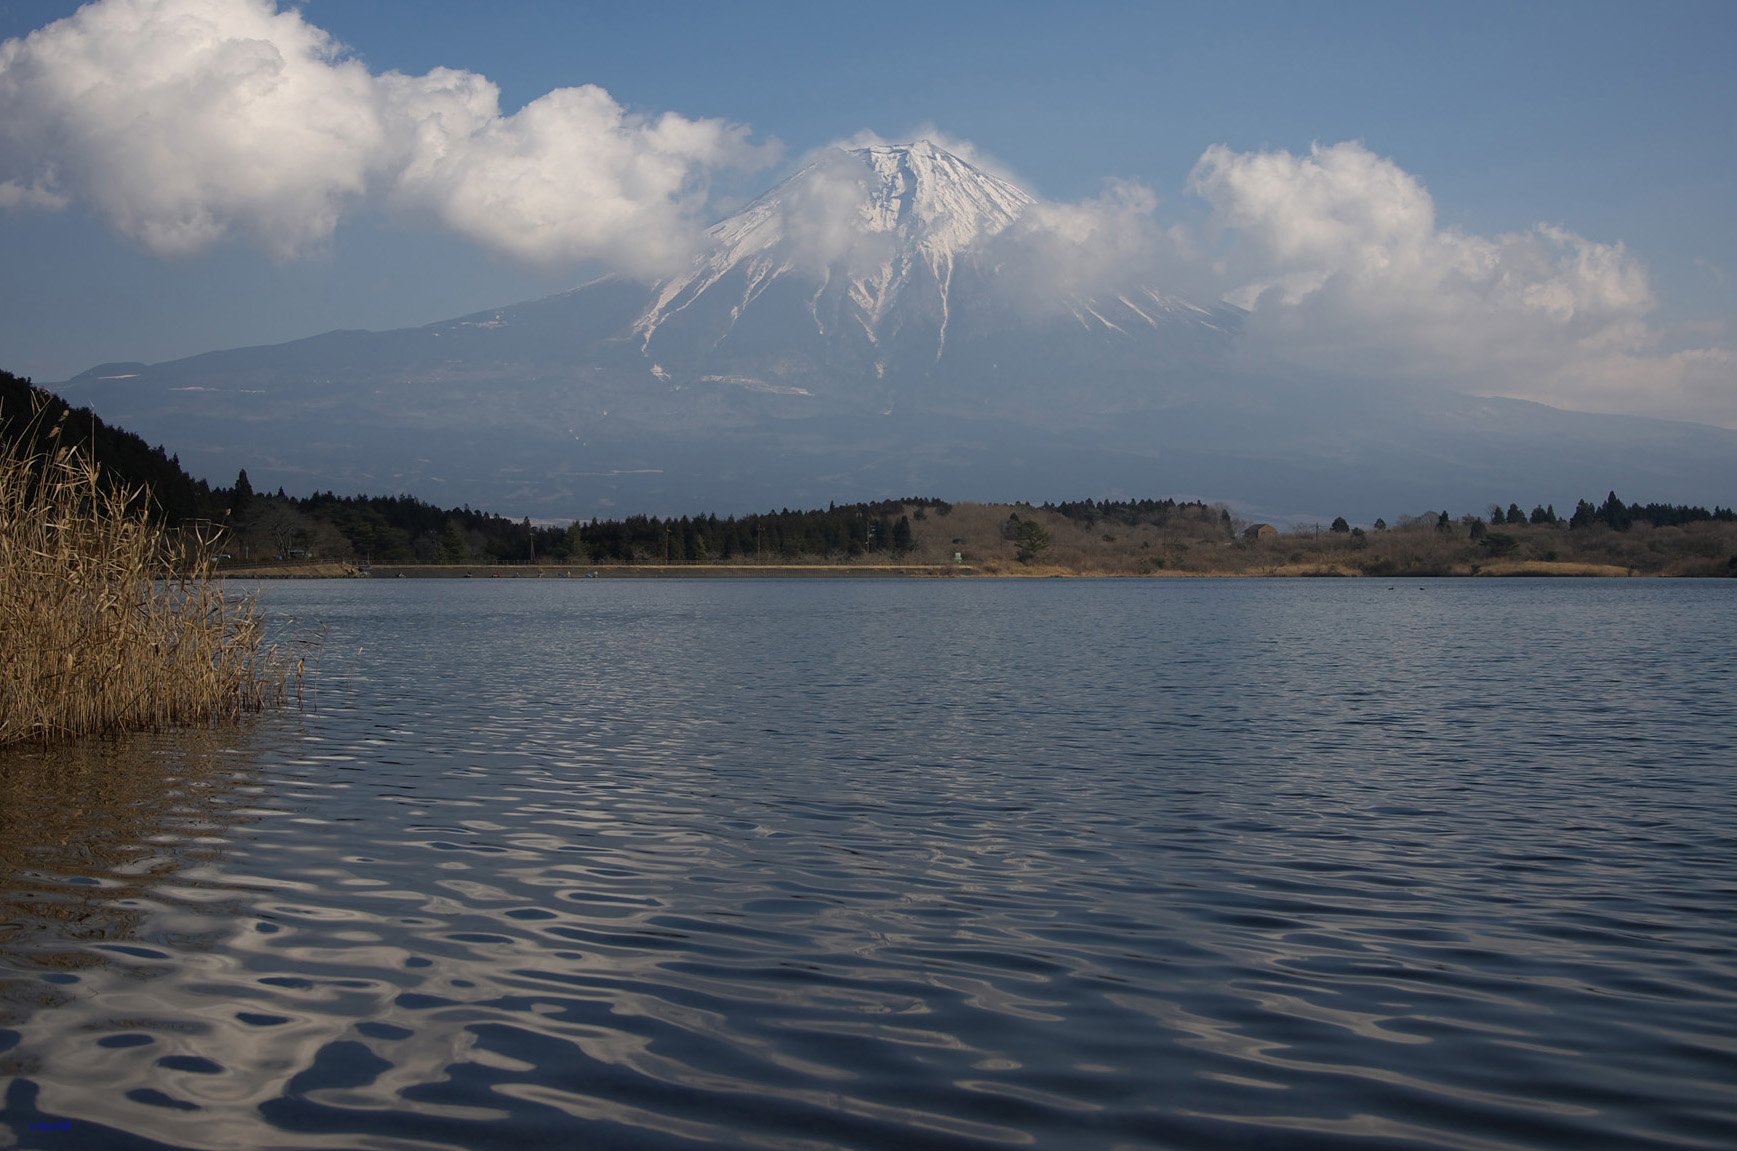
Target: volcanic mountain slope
[865,246]
[870,327]
[874,278]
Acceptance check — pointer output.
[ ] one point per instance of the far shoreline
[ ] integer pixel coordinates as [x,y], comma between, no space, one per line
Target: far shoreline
[333,570]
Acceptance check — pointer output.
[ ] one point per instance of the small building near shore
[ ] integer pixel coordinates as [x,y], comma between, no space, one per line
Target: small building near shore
[1261,532]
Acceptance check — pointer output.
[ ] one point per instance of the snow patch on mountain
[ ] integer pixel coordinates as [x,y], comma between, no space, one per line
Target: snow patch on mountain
[1150,308]
[869,225]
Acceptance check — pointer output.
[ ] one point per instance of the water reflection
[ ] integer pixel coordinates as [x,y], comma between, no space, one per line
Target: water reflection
[88,829]
[101,845]
[1066,878]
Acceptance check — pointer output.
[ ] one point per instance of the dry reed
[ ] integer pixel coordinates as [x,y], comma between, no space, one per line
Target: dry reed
[109,622]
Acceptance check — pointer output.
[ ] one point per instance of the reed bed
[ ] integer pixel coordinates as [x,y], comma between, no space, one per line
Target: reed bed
[109,622]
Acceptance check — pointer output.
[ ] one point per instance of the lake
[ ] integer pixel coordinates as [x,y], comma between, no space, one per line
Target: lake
[912,864]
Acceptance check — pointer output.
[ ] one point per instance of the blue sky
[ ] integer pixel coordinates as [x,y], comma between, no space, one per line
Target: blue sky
[1611,123]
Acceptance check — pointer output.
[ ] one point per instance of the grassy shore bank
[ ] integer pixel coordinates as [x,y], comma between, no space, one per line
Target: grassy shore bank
[108,622]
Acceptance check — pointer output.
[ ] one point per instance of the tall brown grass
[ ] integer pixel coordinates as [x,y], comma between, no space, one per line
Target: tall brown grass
[109,622]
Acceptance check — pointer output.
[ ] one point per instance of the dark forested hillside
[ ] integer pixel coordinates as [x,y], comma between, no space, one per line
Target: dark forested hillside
[31,415]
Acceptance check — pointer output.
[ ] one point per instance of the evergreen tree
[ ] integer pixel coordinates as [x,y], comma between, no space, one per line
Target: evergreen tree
[1030,540]
[242,496]
[1615,513]
[902,535]
[1499,544]
[453,548]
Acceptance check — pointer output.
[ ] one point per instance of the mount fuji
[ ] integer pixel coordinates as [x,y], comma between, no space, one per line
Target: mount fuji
[876,325]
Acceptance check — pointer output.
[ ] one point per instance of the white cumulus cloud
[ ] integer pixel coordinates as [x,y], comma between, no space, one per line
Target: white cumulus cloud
[184,122]
[1079,248]
[1340,260]
[568,177]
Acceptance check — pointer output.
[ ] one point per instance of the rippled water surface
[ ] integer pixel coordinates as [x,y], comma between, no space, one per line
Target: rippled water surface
[904,864]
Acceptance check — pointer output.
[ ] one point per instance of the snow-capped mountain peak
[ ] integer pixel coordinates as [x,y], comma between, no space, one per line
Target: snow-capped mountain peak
[871,227]
[940,202]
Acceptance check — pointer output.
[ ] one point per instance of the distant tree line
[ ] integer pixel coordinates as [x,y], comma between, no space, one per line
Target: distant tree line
[1653,538]
[842,531]
[1618,516]
[1132,513]
[387,529]
[1612,513]
[402,529]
